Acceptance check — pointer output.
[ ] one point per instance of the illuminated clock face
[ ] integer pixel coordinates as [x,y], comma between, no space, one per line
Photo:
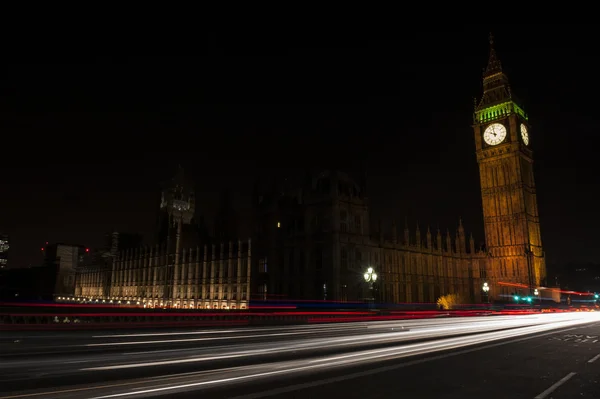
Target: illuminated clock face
[524,134]
[494,134]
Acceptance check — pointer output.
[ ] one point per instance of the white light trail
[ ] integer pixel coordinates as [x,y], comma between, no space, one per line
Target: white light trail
[360,357]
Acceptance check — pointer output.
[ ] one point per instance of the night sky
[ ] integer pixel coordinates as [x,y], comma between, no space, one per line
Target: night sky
[87,139]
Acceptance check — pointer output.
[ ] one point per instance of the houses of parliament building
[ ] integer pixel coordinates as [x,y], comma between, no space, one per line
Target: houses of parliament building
[312,240]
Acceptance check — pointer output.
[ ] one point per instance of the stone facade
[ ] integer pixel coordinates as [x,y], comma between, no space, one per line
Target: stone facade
[315,243]
[211,277]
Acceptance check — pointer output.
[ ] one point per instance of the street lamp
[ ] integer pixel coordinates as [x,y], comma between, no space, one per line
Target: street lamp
[370,277]
[486,290]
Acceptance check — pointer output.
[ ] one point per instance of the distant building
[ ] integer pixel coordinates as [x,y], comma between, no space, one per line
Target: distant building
[54,278]
[65,258]
[580,277]
[4,247]
[28,283]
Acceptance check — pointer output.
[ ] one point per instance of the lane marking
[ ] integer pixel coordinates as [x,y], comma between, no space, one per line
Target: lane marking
[297,387]
[556,385]
[592,360]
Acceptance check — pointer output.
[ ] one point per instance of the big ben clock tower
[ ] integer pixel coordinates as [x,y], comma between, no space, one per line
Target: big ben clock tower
[512,228]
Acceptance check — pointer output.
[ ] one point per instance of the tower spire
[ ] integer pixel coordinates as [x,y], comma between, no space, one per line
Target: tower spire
[496,90]
[494,65]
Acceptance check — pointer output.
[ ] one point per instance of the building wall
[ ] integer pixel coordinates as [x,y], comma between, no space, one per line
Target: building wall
[212,277]
[67,259]
[424,271]
[316,243]
[4,247]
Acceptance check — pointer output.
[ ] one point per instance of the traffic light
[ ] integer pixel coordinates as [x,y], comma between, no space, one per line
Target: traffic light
[528,299]
[596,296]
[516,298]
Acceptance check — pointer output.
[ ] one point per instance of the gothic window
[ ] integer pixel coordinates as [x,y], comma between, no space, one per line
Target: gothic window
[358,256]
[262,265]
[316,223]
[325,223]
[262,291]
[343,221]
[344,257]
[358,224]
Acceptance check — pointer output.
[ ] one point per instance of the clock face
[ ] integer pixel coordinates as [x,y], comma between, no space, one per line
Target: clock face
[494,134]
[524,134]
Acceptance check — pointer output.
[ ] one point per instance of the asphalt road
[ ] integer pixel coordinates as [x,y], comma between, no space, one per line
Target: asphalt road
[528,356]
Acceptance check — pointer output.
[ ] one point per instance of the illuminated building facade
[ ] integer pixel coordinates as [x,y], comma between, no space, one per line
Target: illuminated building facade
[181,271]
[512,227]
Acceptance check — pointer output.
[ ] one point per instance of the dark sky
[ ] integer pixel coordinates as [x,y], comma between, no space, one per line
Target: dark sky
[87,138]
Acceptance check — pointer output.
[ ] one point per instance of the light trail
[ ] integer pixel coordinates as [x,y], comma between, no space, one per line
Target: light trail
[300,355]
[358,358]
[306,345]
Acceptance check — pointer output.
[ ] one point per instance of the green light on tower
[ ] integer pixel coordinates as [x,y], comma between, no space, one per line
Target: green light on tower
[499,111]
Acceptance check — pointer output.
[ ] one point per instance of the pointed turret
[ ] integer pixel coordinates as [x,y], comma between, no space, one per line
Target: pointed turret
[418,235]
[461,244]
[472,244]
[439,239]
[428,238]
[494,65]
[448,241]
[406,233]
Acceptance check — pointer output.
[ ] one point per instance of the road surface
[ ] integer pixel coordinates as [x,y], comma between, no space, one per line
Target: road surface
[528,356]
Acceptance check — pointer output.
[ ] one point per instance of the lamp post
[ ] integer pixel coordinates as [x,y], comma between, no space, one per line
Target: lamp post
[370,277]
[486,290]
[537,294]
